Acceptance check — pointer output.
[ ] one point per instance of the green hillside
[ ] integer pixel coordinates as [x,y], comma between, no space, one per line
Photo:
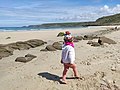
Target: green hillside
[109,20]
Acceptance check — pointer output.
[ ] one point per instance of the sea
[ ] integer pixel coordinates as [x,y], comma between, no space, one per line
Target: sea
[10,29]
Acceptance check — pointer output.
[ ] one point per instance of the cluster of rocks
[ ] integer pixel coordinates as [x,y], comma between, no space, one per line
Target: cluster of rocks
[7,49]
[85,37]
[101,41]
[78,38]
[96,35]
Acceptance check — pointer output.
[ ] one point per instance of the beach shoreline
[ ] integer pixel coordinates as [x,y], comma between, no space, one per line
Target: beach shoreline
[42,34]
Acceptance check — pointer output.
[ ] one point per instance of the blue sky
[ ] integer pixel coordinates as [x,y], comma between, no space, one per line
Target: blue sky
[31,12]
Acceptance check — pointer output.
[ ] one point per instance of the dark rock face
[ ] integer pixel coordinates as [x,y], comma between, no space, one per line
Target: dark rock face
[7,49]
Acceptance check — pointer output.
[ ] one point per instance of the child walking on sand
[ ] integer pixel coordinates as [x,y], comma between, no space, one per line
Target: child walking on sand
[68,58]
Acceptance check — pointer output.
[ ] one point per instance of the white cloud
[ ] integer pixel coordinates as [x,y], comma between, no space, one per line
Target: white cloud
[110,10]
[37,13]
[116,9]
[89,13]
[105,8]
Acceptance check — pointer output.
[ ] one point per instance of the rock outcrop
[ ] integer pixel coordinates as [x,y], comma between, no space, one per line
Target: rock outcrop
[7,49]
[25,59]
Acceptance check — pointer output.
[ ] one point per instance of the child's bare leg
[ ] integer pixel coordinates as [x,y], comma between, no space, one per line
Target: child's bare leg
[73,66]
[65,72]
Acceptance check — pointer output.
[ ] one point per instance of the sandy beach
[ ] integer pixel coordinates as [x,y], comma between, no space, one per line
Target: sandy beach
[99,67]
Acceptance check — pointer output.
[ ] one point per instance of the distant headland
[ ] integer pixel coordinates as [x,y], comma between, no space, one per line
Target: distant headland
[103,21]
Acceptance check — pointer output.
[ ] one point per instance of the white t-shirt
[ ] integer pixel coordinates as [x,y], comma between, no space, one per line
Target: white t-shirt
[68,54]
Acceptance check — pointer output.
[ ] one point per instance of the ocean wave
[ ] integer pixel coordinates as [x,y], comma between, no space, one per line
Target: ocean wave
[10,29]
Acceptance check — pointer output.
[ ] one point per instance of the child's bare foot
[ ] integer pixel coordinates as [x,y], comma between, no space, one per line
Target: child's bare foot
[63,81]
[77,77]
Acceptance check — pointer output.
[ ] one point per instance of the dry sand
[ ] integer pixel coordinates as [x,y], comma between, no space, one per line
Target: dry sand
[99,66]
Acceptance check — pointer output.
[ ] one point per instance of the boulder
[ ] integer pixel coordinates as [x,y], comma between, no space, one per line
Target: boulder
[107,40]
[4,52]
[35,43]
[25,59]
[30,55]
[22,46]
[50,48]
[21,59]
[12,46]
[7,49]
[57,45]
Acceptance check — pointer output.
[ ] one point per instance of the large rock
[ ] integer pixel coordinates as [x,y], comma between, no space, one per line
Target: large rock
[50,48]
[22,45]
[57,45]
[30,55]
[35,43]
[7,49]
[4,52]
[21,59]
[19,45]
[107,40]
[25,59]
[12,46]
[25,45]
